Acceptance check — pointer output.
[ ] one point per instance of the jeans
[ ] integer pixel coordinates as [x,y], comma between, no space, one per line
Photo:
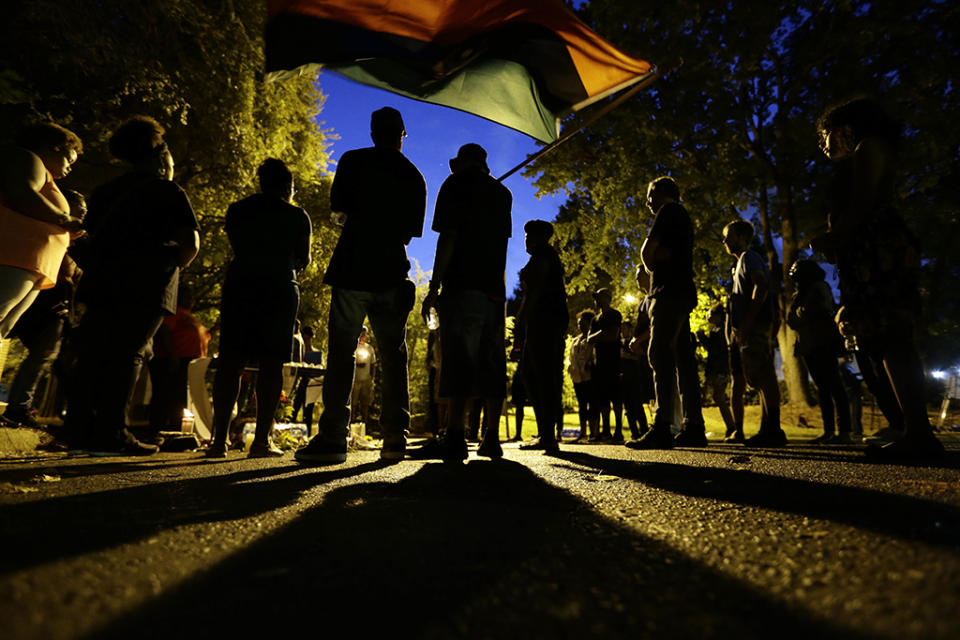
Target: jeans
[110,347]
[43,344]
[388,311]
[671,355]
[823,368]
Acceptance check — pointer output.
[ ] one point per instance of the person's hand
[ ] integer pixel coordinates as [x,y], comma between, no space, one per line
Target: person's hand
[635,346]
[61,309]
[430,302]
[71,224]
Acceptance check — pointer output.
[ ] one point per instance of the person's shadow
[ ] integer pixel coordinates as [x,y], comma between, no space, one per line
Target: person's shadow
[488,550]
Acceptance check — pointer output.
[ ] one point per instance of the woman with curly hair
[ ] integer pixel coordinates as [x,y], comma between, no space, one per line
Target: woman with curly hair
[877,259]
[35,220]
[143,232]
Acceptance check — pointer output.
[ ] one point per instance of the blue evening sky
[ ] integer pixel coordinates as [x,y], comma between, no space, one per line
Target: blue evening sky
[434,134]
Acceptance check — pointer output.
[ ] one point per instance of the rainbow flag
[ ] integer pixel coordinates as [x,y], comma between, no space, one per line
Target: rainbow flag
[521,63]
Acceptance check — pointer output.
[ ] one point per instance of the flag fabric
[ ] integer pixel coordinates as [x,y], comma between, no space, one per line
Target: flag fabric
[521,63]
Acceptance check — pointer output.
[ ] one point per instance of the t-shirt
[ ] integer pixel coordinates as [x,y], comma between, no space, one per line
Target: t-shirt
[477,208]
[134,222]
[743,289]
[673,231]
[384,198]
[270,238]
[608,353]
[545,295]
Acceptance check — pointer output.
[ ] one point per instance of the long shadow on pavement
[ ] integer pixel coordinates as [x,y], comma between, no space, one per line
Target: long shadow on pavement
[905,517]
[485,551]
[48,527]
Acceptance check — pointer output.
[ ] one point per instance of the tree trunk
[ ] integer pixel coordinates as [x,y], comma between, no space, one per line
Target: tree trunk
[794,371]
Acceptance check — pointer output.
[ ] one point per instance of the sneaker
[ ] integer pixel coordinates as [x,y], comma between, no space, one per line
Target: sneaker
[264,450]
[453,449]
[432,449]
[541,444]
[320,451]
[655,438]
[910,447]
[768,438]
[393,449]
[490,449]
[617,438]
[17,418]
[691,437]
[735,437]
[883,436]
[216,450]
[122,445]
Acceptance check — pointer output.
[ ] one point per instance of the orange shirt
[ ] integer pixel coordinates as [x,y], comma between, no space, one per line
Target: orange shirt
[33,245]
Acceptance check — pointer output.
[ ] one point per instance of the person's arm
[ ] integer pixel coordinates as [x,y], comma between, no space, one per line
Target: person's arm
[610,334]
[758,298]
[302,249]
[22,176]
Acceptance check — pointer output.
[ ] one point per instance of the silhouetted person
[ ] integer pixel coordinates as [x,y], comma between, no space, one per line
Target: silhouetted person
[717,369]
[542,321]
[738,386]
[363,375]
[180,339]
[383,198]
[667,255]
[605,338]
[473,219]
[142,233]
[878,261]
[40,330]
[35,218]
[310,356]
[819,343]
[270,238]
[639,345]
[632,387]
[518,397]
[582,363]
[751,318]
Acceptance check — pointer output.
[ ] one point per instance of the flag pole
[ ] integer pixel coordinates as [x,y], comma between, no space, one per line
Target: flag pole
[629,93]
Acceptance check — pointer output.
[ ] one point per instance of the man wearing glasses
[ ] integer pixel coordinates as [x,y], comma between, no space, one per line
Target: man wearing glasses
[667,255]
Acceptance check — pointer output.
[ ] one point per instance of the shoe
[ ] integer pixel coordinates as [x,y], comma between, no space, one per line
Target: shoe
[691,437]
[429,450]
[319,451]
[843,438]
[768,438]
[393,449]
[541,444]
[453,449]
[736,437]
[264,450]
[655,438]
[883,436]
[17,418]
[124,444]
[826,438]
[490,449]
[216,450]
[617,438]
[910,447]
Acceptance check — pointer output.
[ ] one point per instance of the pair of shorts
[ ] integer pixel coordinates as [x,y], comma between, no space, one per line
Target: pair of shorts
[257,318]
[473,357]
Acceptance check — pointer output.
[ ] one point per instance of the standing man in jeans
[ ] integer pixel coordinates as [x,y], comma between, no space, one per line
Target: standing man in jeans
[667,255]
[751,319]
[383,198]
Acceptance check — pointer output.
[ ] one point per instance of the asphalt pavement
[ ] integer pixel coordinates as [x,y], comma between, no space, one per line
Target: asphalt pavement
[598,542]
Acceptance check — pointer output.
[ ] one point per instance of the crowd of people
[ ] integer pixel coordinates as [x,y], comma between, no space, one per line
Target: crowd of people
[122,259]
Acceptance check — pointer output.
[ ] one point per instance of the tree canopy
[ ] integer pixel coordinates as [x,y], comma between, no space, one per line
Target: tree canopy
[735,126]
[195,66]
